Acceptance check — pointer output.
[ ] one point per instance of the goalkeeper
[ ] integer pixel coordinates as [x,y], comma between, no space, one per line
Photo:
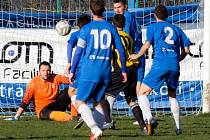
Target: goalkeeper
[43,91]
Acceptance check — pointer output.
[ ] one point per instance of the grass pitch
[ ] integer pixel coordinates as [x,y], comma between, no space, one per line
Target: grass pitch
[194,128]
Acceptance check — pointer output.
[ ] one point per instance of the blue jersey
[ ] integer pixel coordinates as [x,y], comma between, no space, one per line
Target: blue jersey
[135,32]
[166,40]
[72,42]
[95,41]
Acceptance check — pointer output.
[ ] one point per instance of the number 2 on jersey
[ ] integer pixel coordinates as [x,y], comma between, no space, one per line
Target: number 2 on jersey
[99,37]
[168,38]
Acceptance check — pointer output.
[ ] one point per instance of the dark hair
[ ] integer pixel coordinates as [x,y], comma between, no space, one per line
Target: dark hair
[161,12]
[83,19]
[97,7]
[119,20]
[44,63]
[122,1]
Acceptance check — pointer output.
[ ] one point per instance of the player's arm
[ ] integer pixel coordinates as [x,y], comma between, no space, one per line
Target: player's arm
[17,116]
[81,44]
[146,46]
[69,55]
[71,44]
[185,43]
[25,102]
[142,51]
[120,48]
[184,52]
[62,79]
[136,34]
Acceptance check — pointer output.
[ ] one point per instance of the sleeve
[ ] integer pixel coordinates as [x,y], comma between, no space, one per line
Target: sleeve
[63,79]
[81,44]
[71,44]
[120,48]
[149,35]
[29,94]
[136,34]
[184,40]
[77,56]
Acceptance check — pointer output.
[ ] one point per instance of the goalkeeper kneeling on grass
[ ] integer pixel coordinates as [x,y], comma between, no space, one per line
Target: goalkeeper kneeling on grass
[43,91]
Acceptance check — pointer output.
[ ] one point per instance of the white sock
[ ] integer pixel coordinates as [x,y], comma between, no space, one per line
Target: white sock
[73,98]
[175,111]
[87,116]
[16,116]
[98,115]
[111,101]
[145,107]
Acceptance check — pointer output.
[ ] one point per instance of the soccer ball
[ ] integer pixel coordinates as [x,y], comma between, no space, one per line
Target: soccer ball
[63,28]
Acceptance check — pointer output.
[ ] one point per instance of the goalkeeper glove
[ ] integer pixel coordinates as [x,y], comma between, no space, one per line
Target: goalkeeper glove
[12,119]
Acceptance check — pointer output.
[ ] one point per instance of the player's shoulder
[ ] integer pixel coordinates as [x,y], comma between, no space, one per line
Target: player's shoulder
[128,14]
[76,32]
[73,36]
[122,33]
[33,82]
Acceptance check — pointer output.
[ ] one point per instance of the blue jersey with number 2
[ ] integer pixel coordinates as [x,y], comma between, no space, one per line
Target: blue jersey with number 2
[167,39]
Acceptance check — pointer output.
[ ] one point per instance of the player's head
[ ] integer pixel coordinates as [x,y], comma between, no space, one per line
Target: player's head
[83,19]
[97,7]
[120,6]
[161,12]
[44,70]
[119,20]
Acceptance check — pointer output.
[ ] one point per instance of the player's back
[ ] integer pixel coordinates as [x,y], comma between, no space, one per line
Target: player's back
[97,37]
[167,40]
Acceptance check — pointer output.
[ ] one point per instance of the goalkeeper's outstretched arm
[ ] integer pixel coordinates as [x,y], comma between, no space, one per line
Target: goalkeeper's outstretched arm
[17,115]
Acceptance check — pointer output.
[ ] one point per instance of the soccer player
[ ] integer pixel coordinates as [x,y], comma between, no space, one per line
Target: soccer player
[95,41]
[167,40]
[120,7]
[116,85]
[81,21]
[43,91]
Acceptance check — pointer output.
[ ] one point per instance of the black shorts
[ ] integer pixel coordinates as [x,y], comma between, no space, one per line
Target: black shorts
[129,88]
[61,104]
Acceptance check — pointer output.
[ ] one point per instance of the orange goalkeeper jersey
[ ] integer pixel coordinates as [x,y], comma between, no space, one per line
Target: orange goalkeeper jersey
[43,93]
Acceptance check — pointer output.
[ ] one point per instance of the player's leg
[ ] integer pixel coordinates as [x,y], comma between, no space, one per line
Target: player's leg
[98,112]
[172,86]
[130,96]
[74,112]
[107,105]
[153,80]
[114,88]
[72,94]
[110,100]
[85,92]
[56,110]
[145,105]
[140,77]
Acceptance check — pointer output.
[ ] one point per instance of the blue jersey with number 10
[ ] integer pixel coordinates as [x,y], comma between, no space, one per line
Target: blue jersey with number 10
[167,39]
[97,38]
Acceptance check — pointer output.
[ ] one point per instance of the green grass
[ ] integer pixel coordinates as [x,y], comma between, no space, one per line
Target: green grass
[194,128]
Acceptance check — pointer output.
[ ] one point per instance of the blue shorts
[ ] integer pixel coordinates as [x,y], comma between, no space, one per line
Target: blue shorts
[76,78]
[156,77]
[140,72]
[88,90]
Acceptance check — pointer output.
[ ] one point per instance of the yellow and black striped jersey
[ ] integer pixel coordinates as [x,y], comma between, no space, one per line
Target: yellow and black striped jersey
[127,42]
